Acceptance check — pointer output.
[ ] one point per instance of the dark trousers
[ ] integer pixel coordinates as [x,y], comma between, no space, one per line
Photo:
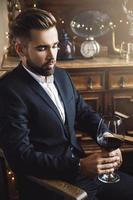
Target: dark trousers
[96,190]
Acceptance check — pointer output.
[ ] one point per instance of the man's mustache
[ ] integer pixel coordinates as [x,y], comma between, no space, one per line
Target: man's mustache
[50,61]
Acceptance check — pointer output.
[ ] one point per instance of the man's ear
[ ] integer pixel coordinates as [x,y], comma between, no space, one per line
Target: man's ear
[20,49]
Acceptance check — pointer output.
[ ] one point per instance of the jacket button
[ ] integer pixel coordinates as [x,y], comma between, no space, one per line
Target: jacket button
[73,155]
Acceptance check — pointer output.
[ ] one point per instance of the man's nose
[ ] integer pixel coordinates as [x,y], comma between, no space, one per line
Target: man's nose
[50,52]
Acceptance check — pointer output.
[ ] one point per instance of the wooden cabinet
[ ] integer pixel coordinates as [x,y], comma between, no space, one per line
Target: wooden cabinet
[104,83]
[91,85]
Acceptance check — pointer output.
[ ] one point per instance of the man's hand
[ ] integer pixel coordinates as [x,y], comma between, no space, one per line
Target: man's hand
[117,152]
[100,163]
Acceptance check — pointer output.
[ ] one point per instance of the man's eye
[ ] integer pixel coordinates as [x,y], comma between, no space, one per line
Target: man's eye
[41,48]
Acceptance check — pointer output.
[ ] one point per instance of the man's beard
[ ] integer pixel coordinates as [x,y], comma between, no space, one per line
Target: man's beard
[41,70]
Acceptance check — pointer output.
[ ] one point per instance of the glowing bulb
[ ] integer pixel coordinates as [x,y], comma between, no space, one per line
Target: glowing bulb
[5,48]
[13,178]
[78,26]
[6,35]
[110,23]
[121,21]
[34,5]
[16,5]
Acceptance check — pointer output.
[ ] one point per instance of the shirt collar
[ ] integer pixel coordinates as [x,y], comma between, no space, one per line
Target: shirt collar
[40,78]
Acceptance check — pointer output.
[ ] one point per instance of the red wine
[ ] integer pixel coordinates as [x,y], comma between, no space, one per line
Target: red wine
[110,143]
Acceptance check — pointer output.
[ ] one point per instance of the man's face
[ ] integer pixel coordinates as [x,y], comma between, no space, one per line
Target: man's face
[41,51]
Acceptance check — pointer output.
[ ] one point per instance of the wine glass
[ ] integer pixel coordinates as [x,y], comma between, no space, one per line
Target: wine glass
[111,142]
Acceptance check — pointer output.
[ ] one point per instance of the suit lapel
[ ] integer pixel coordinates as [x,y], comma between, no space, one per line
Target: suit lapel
[32,83]
[61,93]
[41,92]
[59,86]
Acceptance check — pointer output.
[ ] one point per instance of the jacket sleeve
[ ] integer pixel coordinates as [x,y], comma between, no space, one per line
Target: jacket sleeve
[15,141]
[87,120]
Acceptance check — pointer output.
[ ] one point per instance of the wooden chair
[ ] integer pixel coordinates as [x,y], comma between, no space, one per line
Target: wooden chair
[67,190]
[8,190]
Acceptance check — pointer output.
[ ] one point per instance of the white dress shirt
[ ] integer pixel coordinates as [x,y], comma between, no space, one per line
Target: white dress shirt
[47,83]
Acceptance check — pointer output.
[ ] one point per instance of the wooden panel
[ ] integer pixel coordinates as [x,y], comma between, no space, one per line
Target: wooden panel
[95,100]
[89,81]
[121,79]
[2,72]
[123,102]
[65,189]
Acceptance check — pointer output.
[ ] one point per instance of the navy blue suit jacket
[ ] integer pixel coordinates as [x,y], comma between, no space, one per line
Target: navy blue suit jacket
[32,134]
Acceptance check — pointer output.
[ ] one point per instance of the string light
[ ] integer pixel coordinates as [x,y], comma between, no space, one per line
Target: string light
[17,6]
[9,172]
[78,26]
[34,4]
[11,176]
[7,35]
[101,27]
[110,23]
[5,48]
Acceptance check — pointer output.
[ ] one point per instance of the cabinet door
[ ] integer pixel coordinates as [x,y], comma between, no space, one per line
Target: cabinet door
[121,79]
[121,89]
[95,100]
[89,81]
[123,102]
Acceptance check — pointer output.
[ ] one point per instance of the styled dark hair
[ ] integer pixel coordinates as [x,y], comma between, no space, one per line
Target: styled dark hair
[32,18]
